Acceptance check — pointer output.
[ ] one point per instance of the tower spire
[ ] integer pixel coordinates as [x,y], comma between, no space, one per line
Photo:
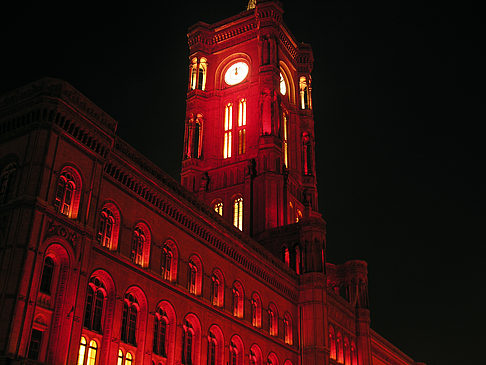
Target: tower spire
[251,5]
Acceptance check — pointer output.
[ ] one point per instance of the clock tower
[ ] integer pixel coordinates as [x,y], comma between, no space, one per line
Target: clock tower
[249,131]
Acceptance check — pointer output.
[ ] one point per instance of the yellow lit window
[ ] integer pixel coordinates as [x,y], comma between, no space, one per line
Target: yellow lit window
[228,126]
[218,208]
[129,359]
[305,99]
[93,349]
[238,213]
[82,351]
[241,126]
[285,140]
[120,357]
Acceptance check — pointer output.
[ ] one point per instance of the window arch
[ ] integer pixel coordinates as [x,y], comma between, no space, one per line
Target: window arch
[218,207]
[195,271]
[286,256]
[129,358]
[7,180]
[272,320]
[256,310]
[272,359]
[238,213]
[120,357]
[95,300]
[242,126]
[129,320]
[217,288]
[215,346]
[68,192]
[140,250]
[202,74]
[193,73]
[287,327]
[236,351]
[305,94]
[109,226]
[238,299]
[170,259]
[255,356]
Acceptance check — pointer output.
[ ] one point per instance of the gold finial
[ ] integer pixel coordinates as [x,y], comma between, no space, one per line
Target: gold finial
[251,4]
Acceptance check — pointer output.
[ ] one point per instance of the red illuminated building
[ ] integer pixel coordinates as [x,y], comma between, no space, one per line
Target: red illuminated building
[105,259]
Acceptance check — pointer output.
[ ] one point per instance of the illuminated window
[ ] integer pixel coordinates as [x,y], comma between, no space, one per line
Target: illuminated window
[298,215]
[285,125]
[47,274]
[256,310]
[305,99]
[7,177]
[129,359]
[228,127]
[192,277]
[129,320]
[238,300]
[193,73]
[187,343]
[105,232]
[287,323]
[286,256]
[272,320]
[218,208]
[332,343]
[233,354]
[167,258]
[138,243]
[194,284]
[212,349]
[241,126]
[35,344]
[297,259]
[160,333]
[82,351]
[92,351]
[353,355]
[120,358]
[339,348]
[202,74]
[253,358]
[238,213]
[283,87]
[307,153]
[347,353]
[64,193]
[93,312]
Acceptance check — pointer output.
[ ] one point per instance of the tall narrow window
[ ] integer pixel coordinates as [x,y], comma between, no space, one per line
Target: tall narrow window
[187,343]
[193,73]
[93,313]
[272,321]
[47,273]
[215,290]
[82,351]
[307,153]
[167,257]
[238,213]
[233,354]
[138,242]
[297,260]
[218,208]
[120,358]
[129,320]
[286,255]
[160,333]
[305,101]
[129,359]
[283,87]
[201,76]
[192,277]
[35,344]
[242,126]
[211,349]
[7,177]
[288,329]
[105,232]
[228,127]
[92,351]
[64,193]
[285,139]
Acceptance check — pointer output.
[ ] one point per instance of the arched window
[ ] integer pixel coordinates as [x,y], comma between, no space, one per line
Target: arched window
[193,73]
[35,344]
[297,260]
[129,359]
[169,261]
[82,351]
[298,215]
[236,351]
[92,351]
[47,274]
[129,320]
[256,310]
[202,72]
[255,355]
[228,128]
[64,193]
[215,290]
[238,213]
[238,300]
[7,177]
[105,232]
[187,343]
[138,242]
[285,138]
[283,87]
[339,348]
[233,354]
[286,256]
[307,153]
[218,207]
[120,357]
[272,359]
[212,343]
[305,99]
[272,320]
[353,354]
[242,126]
[347,352]
[160,333]
[94,305]
[288,329]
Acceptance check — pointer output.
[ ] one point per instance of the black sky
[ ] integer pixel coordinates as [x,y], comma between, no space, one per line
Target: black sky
[400,152]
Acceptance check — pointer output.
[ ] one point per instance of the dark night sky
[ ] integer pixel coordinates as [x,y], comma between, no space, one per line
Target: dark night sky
[399,148]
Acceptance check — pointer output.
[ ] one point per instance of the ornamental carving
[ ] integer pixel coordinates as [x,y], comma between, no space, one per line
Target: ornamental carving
[60,230]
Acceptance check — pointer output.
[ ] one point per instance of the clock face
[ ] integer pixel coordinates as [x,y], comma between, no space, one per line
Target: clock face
[236,73]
